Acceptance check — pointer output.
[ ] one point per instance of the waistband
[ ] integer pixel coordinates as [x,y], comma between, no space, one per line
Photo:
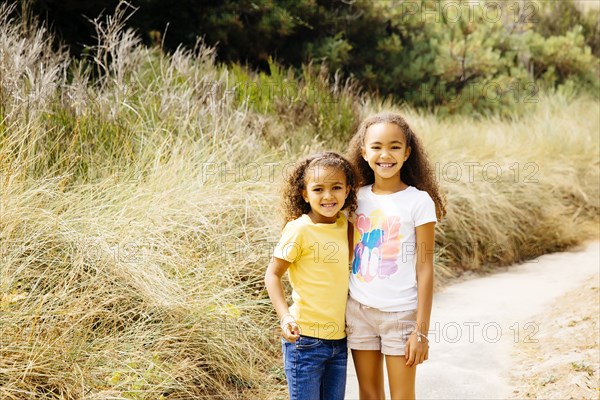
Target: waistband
[331,341]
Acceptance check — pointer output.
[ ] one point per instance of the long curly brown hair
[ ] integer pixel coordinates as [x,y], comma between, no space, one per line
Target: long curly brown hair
[416,170]
[293,203]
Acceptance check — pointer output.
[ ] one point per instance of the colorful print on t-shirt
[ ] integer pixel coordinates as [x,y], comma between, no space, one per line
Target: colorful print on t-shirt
[376,252]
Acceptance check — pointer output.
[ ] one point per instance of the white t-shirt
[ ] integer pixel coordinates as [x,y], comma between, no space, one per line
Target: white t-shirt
[383,271]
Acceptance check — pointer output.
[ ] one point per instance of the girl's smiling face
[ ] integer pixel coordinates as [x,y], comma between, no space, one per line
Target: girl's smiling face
[326,191]
[385,150]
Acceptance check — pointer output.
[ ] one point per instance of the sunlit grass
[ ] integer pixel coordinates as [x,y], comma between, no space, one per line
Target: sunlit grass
[139,210]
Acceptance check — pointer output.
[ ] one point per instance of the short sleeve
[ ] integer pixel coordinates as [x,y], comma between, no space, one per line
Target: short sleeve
[289,247]
[424,211]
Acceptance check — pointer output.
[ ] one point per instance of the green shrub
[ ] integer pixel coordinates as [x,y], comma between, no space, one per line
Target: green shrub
[486,57]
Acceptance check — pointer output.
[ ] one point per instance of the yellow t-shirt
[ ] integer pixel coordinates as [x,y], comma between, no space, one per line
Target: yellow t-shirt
[319,274]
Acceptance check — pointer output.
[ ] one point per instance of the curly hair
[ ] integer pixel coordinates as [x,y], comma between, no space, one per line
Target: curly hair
[293,203]
[416,170]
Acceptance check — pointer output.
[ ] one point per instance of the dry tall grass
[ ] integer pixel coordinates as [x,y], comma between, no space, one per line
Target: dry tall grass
[137,211]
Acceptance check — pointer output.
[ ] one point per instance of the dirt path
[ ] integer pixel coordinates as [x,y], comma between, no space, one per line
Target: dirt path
[563,363]
[480,328]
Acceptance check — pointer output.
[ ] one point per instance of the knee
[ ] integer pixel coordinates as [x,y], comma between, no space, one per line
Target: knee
[372,393]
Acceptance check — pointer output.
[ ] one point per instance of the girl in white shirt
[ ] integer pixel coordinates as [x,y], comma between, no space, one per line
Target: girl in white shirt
[391,285]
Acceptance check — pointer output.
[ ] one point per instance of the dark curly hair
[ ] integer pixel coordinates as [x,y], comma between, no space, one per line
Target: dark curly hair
[293,203]
[416,170]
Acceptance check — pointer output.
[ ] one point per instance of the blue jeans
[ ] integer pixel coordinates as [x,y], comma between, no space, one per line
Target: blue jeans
[315,368]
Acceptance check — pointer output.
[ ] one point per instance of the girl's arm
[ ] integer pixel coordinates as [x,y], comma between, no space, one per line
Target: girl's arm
[350,242]
[275,271]
[418,351]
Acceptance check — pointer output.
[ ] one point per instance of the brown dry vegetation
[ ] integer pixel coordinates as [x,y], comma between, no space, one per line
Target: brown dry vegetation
[564,361]
[133,252]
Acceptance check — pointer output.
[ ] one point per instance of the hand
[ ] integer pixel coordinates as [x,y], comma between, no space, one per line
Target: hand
[290,330]
[416,352]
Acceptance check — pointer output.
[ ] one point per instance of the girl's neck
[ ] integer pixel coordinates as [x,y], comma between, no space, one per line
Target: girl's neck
[320,219]
[388,186]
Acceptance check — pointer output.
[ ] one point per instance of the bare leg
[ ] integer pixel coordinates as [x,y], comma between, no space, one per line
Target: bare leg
[369,371]
[401,377]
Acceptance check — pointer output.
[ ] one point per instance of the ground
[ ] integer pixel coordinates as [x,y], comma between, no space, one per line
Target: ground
[565,361]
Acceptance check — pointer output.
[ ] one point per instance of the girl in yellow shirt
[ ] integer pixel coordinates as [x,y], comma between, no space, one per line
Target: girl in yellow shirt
[314,250]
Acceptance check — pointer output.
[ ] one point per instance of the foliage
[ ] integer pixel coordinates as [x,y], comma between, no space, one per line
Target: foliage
[556,18]
[448,55]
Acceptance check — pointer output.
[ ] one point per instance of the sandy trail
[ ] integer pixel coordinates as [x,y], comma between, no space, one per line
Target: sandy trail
[477,323]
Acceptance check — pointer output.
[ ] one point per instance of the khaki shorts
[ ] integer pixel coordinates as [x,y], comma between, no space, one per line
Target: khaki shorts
[371,329]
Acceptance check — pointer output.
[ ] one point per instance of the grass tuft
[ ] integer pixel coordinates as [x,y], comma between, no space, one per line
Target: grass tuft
[138,208]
